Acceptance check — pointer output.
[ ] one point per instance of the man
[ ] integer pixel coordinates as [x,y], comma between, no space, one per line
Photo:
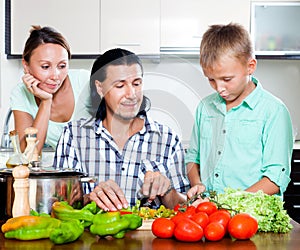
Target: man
[131,155]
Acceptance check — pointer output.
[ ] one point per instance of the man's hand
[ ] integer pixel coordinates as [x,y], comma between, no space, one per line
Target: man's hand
[109,196]
[155,184]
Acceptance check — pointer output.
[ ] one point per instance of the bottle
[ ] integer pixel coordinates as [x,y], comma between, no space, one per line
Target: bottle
[17,158]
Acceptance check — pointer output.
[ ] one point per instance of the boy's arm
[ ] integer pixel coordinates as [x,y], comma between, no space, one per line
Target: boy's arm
[266,185]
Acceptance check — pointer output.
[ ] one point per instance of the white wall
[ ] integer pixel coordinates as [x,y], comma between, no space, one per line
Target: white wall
[174,85]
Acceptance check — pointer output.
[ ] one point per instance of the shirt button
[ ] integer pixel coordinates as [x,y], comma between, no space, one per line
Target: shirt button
[219,152]
[224,131]
[217,175]
[122,169]
[283,169]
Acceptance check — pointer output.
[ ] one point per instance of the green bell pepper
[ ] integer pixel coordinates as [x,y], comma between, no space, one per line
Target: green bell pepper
[29,227]
[68,231]
[109,223]
[63,211]
[135,221]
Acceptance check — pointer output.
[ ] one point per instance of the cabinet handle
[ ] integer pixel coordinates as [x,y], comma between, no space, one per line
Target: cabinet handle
[296,161]
[128,44]
[296,206]
[296,183]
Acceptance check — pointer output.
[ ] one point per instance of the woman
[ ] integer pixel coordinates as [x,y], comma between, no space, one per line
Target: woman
[49,95]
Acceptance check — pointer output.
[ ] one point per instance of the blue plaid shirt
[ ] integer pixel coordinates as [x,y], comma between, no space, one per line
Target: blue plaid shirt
[88,147]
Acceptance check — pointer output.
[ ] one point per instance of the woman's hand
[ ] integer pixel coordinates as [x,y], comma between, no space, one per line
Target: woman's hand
[32,83]
[109,196]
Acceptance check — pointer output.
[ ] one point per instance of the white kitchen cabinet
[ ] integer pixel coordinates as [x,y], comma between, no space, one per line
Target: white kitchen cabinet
[77,20]
[184,22]
[131,24]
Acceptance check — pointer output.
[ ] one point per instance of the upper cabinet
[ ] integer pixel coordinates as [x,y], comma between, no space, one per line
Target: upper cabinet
[131,24]
[145,27]
[275,29]
[184,22]
[77,20]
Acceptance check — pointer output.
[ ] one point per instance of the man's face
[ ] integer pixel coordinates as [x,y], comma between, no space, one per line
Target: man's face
[122,90]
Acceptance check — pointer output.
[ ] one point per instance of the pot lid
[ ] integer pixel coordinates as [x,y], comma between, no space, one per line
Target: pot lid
[51,172]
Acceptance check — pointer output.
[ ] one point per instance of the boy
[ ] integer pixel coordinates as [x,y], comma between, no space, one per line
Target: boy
[242,135]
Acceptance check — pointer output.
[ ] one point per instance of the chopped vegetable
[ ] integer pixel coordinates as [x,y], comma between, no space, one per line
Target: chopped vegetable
[161,212]
[267,209]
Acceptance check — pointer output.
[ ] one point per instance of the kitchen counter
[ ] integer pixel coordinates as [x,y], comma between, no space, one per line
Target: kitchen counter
[143,239]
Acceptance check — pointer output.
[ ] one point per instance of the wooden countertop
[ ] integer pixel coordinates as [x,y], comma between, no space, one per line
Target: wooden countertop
[143,239]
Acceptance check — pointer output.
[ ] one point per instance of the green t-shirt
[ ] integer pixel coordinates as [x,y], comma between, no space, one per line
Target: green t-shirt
[21,99]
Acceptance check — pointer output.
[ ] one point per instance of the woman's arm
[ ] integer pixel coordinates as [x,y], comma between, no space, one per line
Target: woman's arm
[24,120]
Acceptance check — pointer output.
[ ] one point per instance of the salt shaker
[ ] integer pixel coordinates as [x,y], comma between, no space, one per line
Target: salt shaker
[21,189]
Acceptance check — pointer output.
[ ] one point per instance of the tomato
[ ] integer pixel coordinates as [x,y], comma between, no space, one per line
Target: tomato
[201,218]
[214,231]
[188,231]
[207,207]
[190,211]
[222,216]
[176,208]
[163,228]
[242,226]
[178,217]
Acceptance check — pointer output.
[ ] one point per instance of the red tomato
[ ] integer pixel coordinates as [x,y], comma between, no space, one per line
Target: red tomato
[188,231]
[176,208]
[190,211]
[207,207]
[201,218]
[178,217]
[242,226]
[163,228]
[214,231]
[222,216]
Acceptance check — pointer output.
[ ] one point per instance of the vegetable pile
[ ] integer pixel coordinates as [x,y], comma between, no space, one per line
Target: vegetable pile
[267,209]
[66,224]
[237,213]
[205,222]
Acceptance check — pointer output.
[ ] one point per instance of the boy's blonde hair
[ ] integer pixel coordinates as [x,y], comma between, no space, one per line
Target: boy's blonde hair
[219,40]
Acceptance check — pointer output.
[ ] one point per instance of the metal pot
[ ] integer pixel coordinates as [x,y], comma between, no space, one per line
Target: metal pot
[45,187]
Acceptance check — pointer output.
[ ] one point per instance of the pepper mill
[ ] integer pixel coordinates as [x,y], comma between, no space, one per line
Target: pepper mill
[31,149]
[21,189]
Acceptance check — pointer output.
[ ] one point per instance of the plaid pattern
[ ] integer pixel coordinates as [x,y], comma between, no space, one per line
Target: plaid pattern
[88,147]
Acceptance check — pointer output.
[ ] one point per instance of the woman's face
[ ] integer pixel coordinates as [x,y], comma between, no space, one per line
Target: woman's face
[49,64]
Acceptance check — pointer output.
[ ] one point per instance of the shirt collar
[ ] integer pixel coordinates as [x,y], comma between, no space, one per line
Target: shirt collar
[149,126]
[251,100]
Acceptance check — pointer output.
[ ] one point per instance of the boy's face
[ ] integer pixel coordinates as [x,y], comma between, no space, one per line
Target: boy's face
[122,90]
[231,78]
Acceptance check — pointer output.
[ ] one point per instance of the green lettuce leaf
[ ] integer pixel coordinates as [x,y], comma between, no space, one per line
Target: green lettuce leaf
[267,209]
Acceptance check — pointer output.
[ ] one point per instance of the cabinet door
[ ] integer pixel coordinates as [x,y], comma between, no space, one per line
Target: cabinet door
[184,22]
[130,24]
[77,20]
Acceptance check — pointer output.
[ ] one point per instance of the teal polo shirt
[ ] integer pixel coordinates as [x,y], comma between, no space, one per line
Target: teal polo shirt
[236,148]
